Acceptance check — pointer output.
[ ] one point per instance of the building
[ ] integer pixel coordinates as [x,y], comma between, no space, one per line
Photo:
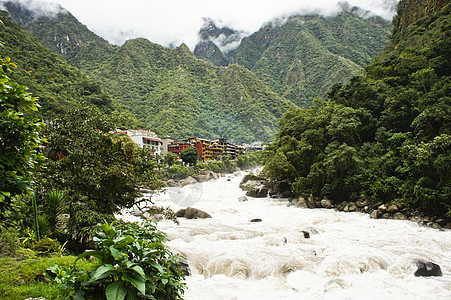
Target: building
[145,139]
[178,146]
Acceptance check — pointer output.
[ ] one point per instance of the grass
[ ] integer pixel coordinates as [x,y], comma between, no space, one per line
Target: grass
[22,276]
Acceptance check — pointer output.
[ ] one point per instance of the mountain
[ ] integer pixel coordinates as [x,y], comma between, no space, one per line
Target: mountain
[57,84]
[384,136]
[217,44]
[303,57]
[178,94]
[60,31]
[168,90]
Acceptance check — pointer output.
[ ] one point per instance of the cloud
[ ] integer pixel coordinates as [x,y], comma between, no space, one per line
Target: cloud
[172,22]
[38,8]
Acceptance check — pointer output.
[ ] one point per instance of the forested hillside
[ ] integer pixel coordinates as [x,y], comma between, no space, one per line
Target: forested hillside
[175,93]
[303,57]
[58,85]
[168,90]
[385,136]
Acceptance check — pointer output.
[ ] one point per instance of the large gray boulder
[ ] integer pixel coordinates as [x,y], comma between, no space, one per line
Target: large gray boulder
[427,268]
[186,181]
[258,192]
[326,203]
[250,182]
[192,213]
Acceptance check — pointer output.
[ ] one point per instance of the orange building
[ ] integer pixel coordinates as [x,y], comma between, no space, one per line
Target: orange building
[177,147]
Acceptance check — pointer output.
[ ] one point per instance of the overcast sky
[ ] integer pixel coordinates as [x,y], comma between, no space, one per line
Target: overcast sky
[172,22]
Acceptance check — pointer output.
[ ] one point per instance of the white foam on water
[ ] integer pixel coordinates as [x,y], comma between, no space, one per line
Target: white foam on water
[348,255]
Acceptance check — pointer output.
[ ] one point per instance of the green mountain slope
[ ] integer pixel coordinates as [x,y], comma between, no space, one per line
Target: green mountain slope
[57,84]
[168,90]
[302,58]
[385,136]
[177,94]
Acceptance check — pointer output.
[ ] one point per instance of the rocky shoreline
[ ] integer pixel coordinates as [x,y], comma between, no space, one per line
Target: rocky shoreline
[259,187]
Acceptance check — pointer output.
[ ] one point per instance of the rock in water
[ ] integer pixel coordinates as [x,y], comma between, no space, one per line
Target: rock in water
[427,268]
[192,213]
[255,220]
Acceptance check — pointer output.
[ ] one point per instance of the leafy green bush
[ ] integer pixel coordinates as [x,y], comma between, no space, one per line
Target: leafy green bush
[133,263]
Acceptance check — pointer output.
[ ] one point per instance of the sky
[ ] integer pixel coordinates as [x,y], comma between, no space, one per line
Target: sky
[172,22]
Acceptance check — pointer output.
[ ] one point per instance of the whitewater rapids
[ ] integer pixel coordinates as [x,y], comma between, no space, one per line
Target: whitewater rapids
[348,255]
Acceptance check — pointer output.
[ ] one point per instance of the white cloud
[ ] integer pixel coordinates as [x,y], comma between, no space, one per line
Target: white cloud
[172,22]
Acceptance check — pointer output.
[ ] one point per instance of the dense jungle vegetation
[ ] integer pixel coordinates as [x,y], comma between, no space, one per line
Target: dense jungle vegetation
[385,135]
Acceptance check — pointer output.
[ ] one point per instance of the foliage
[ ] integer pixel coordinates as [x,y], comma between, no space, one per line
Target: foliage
[22,276]
[133,263]
[170,158]
[249,160]
[164,89]
[189,156]
[385,136]
[19,138]
[99,172]
[58,85]
[303,57]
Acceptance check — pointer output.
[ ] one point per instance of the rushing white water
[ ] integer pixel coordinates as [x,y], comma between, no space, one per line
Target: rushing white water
[348,255]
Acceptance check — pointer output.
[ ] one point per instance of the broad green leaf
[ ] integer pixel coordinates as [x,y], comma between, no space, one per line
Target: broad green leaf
[115,291]
[94,253]
[101,271]
[157,266]
[136,281]
[139,270]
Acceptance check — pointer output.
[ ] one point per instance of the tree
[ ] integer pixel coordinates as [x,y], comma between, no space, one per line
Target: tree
[19,137]
[189,156]
[170,158]
[100,172]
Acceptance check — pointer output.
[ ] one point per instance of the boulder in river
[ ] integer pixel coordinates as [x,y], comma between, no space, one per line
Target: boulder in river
[186,181]
[376,214]
[258,192]
[250,182]
[255,220]
[427,268]
[192,213]
[243,199]
[393,209]
[399,216]
[326,203]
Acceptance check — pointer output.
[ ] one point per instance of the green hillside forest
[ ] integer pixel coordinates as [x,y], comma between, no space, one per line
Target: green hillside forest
[58,84]
[304,56]
[168,90]
[384,136]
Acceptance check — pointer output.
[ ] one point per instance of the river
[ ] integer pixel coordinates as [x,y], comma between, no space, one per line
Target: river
[348,255]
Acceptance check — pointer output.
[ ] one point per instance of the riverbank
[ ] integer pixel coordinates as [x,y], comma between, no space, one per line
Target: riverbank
[347,256]
[260,187]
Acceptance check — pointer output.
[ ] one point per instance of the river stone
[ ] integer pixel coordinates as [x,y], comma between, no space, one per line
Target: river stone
[186,181]
[399,216]
[386,216]
[249,182]
[441,222]
[393,209]
[255,220]
[382,208]
[184,266]
[376,205]
[376,214]
[362,203]
[171,183]
[311,202]
[300,202]
[427,268]
[258,192]
[326,203]
[306,234]
[192,213]
[352,206]
[243,199]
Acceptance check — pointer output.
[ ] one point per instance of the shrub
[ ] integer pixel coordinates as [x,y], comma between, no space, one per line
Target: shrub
[134,263]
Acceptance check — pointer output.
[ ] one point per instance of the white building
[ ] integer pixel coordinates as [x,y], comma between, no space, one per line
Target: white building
[145,139]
